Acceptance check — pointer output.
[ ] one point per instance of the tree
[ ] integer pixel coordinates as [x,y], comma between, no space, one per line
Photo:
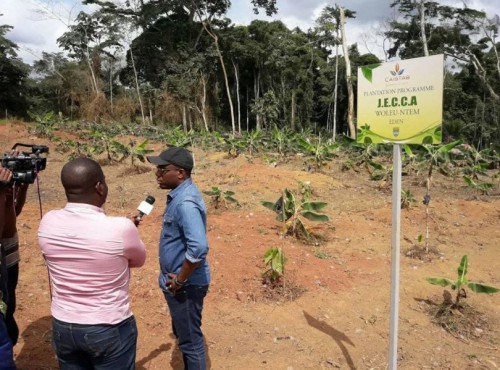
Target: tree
[331,33]
[13,76]
[328,29]
[350,91]
[57,88]
[468,38]
[91,37]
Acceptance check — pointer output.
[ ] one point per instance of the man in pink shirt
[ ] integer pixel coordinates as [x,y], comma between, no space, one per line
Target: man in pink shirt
[89,256]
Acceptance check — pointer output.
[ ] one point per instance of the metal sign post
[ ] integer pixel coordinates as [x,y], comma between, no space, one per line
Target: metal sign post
[396,232]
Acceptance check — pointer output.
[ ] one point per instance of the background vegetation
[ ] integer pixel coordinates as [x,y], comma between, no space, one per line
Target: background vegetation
[163,64]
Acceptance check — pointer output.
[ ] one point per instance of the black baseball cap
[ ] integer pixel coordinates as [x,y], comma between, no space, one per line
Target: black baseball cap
[180,157]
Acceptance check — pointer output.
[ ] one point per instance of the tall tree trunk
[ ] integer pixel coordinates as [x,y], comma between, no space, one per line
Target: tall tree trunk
[350,92]
[214,36]
[111,87]
[481,73]
[423,36]
[238,103]
[283,99]
[293,110]
[204,102]
[248,117]
[184,118]
[137,85]
[335,92]
[95,87]
[150,111]
[256,88]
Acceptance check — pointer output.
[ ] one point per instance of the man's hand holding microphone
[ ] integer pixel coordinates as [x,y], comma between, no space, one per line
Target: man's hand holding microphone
[145,208]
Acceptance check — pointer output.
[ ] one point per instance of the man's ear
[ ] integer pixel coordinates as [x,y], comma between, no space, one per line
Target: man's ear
[99,188]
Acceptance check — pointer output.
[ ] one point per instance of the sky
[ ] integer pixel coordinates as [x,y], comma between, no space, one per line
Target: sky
[38,23]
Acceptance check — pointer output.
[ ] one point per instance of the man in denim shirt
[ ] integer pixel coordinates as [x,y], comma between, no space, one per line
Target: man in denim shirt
[184,272]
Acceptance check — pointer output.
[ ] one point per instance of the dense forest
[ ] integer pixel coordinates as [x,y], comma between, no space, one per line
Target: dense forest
[184,63]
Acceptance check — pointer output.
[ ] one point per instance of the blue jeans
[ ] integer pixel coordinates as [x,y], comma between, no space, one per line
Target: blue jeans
[185,309]
[99,347]
[6,352]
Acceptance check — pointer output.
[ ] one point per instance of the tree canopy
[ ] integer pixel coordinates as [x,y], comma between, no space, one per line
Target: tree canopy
[185,63]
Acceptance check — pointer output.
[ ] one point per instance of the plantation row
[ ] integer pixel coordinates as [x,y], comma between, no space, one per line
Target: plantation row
[120,141]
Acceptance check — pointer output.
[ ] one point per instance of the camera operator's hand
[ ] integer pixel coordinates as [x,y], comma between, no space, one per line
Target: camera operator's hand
[5,177]
[16,197]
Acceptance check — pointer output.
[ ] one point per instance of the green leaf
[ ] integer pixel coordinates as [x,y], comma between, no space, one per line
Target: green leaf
[312,216]
[376,165]
[301,229]
[486,185]
[462,269]
[440,281]
[268,256]
[469,181]
[215,191]
[277,264]
[231,199]
[480,288]
[446,148]
[313,206]
[269,205]
[367,71]
[408,150]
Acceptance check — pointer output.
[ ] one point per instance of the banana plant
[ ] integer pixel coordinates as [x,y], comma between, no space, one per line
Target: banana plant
[275,260]
[253,140]
[360,155]
[116,149]
[321,151]
[101,138]
[178,137]
[282,139]
[379,172]
[139,151]
[220,196]
[44,124]
[409,159]
[482,187]
[407,199]
[436,155]
[292,213]
[462,282]
[235,146]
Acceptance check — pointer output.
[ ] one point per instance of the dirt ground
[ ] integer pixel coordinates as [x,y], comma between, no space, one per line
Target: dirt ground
[341,319]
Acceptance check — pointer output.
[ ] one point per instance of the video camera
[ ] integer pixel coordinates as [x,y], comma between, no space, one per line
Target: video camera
[26,165]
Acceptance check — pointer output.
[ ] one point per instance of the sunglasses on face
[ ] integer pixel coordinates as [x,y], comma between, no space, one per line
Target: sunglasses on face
[163,170]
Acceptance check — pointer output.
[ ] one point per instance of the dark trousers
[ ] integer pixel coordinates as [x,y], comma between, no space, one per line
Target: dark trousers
[186,307]
[95,347]
[6,352]
[12,278]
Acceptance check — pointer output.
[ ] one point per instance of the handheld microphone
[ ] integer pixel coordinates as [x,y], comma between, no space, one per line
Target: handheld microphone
[145,207]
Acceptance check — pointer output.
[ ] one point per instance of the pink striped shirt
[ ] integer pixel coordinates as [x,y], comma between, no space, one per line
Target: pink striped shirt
[89,256]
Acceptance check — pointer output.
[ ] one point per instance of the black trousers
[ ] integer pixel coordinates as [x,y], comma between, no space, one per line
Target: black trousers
[10,321]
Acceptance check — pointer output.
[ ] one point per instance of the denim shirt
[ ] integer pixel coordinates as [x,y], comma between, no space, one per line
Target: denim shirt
[183,235]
